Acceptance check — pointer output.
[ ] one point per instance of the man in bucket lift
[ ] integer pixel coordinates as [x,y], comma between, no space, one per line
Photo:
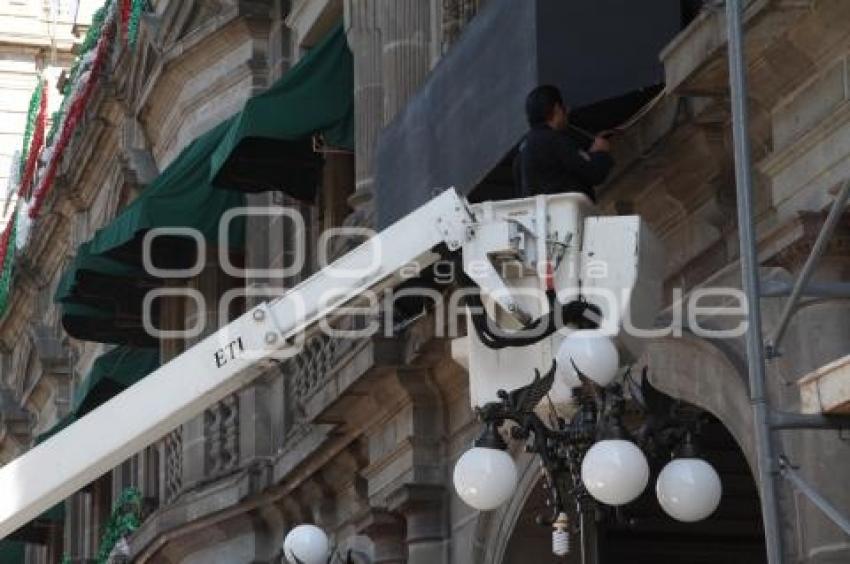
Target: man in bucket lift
[551,158]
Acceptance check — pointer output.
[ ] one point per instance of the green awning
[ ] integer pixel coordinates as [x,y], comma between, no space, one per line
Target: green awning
[111,374]
[12,552]
[55,514]
[100,326]
[38,530]
[101,300]
[102,292]
[84,264]
[182,196]
[268,146]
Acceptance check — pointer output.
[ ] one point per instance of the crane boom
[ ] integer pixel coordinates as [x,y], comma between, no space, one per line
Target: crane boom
[219,365]
[545,243]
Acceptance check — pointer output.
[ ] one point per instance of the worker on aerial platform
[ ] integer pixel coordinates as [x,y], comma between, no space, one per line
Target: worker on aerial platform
[554,157]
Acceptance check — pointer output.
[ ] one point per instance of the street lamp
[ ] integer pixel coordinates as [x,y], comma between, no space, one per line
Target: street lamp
[688,488]
[592,457]
[588,352]
[485,476]
[614,471]
[306,544]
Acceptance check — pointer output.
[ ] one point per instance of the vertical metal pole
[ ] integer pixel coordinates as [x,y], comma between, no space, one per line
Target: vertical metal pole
[767,463]
[589,535]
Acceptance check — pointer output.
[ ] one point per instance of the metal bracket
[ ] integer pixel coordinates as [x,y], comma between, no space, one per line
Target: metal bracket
[782,420]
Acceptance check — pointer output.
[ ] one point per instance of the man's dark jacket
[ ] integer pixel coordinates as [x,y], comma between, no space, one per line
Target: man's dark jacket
[551,162]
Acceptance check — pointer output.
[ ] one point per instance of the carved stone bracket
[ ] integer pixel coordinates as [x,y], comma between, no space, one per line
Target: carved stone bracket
[808,227]
[315,365]
[221,435]
[173,464]
[387,531]
[15,421]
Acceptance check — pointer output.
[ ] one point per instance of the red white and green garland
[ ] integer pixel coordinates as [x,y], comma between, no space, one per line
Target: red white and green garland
[96,47]
[42,151]
[35,137]
[7,259]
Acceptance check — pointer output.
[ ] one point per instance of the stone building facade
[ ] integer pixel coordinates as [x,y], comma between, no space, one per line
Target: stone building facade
[360,436]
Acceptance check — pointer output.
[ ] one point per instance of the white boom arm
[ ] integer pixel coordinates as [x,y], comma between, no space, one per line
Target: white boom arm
[509,247]
[218,366]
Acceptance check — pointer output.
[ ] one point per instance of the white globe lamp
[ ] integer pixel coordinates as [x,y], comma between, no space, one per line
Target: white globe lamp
[688,489]
[591,352]
[306,544]
[615,471]
[485,478]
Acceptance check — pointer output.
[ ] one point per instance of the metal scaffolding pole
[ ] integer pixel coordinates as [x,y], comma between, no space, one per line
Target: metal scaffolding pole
[828,509]
[835,214]
[767,470]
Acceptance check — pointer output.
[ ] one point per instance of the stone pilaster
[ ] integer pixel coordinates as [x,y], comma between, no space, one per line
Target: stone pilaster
[406,34]
[407,468]
[386,530]
[364,36]
[426,522]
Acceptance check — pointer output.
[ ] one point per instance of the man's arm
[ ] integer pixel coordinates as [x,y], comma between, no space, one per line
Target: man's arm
[591,167]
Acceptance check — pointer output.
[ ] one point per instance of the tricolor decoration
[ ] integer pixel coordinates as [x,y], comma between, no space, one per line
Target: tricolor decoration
[37,142]
[12,182]
[126,10]
[84,75]
[32,116]
[135,17]
[7,259]
[125,518]
[42,151]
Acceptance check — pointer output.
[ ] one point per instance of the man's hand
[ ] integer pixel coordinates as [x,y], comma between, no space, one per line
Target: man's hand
[600,145]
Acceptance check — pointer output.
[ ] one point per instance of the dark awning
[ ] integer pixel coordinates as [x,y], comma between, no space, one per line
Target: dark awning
[38,530]
[181,196]
[269,145]
[111,374]
[85,264]
[102,292]
[101,300]
[12,551]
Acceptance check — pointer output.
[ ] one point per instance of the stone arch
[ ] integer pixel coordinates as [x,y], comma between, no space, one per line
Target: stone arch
[709,375]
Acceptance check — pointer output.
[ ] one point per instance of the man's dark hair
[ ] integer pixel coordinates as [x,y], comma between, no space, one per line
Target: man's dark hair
[541,102]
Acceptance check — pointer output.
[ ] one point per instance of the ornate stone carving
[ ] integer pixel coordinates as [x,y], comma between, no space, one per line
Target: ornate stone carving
[456,16]
[221,436]
[173,464]
[795,254]
[315,364]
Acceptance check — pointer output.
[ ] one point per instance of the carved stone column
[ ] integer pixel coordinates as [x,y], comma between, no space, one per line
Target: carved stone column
[426,522]
[364,37]
[406,34]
